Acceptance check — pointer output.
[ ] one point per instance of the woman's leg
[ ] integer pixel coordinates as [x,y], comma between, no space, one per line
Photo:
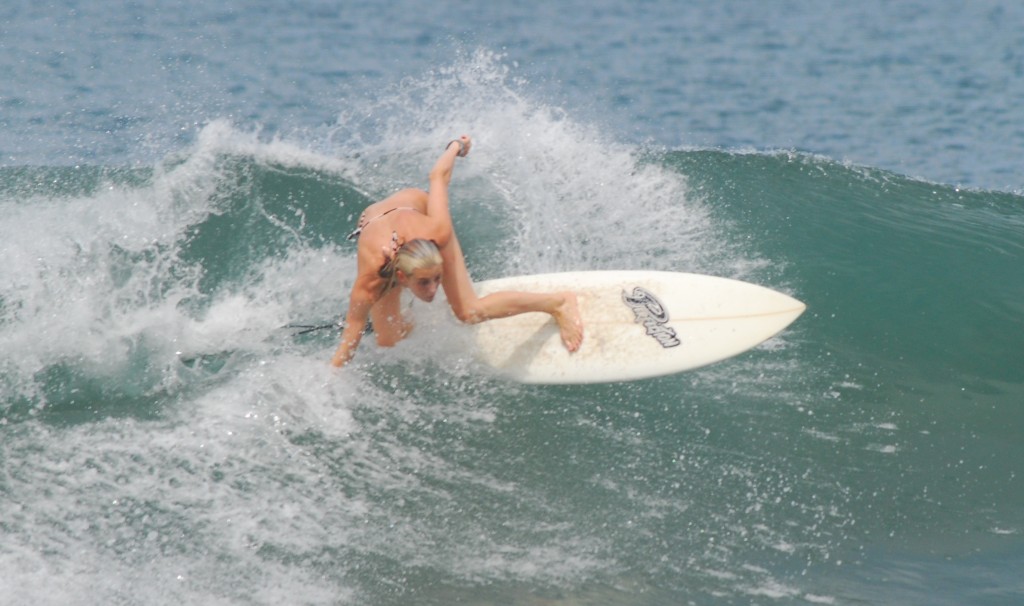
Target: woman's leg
[389,325]
[458,288]
[469,308]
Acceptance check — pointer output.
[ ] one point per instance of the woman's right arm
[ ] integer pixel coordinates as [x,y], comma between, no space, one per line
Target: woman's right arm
[359,304]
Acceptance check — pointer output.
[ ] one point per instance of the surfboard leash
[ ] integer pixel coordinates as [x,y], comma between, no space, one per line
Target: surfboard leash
[308,328]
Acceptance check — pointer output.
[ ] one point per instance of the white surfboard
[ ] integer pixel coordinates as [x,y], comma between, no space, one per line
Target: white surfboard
[637,324]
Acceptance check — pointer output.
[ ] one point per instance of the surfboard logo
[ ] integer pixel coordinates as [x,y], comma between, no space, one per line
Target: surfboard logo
[650,312]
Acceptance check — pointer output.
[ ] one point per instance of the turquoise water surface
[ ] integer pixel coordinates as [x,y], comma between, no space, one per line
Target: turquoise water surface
[176,180]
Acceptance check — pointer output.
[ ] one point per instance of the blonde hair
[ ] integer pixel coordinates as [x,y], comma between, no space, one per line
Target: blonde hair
[413,255]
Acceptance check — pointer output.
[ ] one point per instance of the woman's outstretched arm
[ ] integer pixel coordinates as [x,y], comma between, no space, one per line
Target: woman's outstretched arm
[355,323]
[437,193]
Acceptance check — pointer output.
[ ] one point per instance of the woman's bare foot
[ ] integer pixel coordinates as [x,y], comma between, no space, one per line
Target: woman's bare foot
[570,324]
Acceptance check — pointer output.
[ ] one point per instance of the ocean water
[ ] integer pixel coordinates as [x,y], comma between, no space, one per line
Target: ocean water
[176,180]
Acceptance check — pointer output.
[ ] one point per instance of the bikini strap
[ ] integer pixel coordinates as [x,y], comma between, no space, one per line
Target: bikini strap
[363,222]
[387,271]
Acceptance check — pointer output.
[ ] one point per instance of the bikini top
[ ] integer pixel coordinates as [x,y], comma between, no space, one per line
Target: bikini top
[387,270]
[363,222]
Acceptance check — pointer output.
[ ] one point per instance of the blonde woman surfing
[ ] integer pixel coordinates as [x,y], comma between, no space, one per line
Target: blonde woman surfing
[407,241]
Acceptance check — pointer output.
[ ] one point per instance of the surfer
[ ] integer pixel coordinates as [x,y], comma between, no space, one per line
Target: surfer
[407,241]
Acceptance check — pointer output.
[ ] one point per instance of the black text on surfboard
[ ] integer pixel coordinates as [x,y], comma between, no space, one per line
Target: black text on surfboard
[652,314]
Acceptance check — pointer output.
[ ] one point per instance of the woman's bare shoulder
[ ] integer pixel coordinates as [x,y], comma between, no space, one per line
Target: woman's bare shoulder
[412,197]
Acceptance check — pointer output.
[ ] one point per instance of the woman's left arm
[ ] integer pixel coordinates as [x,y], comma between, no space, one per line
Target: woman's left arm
[438,212]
